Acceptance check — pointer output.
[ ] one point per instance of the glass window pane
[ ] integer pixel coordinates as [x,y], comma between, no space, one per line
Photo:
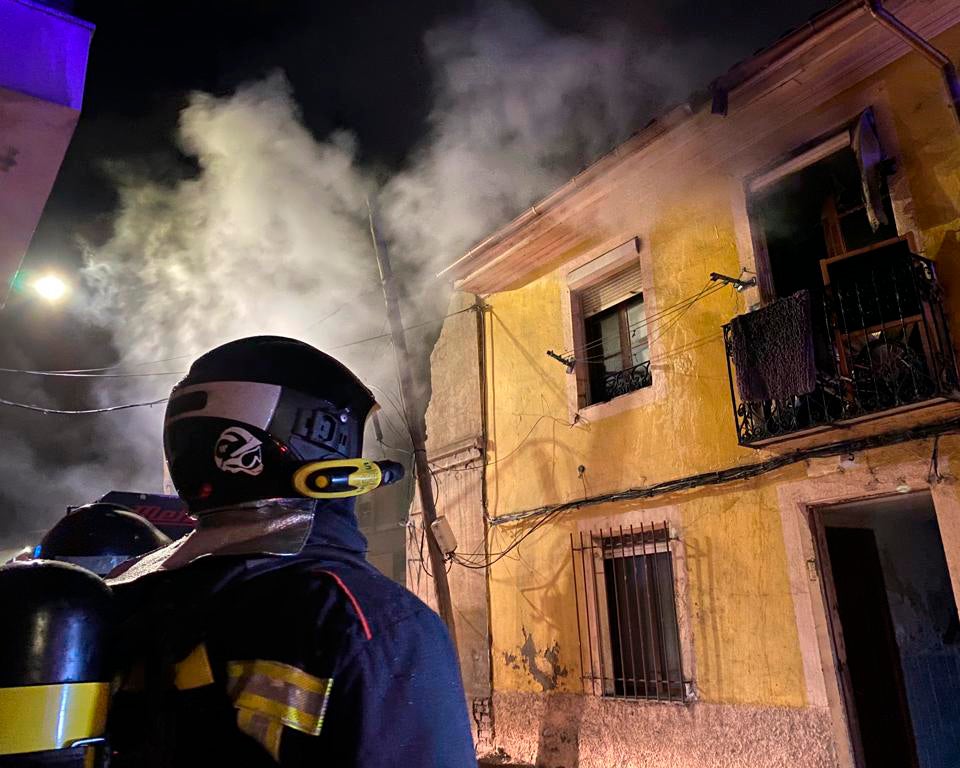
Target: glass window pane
[613,369]
[636,322]
[668,614]
[640,353]
[643,625]
[639,345]
[610,336]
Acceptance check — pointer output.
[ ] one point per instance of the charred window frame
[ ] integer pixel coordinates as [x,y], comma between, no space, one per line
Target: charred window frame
[859,140]
[627,613]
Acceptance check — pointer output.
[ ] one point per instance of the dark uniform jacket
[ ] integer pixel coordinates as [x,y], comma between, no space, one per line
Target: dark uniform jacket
[310,659]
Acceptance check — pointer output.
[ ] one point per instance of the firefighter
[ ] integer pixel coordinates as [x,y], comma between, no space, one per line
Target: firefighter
[99,537]
[264,637]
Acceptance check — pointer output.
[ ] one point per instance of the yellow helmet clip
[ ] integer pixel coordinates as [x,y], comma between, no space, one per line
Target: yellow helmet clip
[340,478]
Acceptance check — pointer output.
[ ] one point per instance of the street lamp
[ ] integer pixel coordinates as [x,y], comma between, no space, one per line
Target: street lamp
[50,288]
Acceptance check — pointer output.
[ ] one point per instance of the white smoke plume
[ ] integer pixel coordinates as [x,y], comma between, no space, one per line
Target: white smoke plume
[271,236]
[518,110]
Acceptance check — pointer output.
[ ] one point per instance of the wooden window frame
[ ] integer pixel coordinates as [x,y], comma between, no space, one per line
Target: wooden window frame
[593,341]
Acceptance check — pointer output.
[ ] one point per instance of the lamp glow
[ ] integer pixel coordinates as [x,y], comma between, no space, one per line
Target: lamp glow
[50,288]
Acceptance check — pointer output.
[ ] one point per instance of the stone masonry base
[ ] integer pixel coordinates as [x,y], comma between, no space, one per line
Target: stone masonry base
[573,731]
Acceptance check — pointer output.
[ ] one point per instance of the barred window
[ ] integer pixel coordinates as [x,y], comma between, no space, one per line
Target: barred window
[627,613]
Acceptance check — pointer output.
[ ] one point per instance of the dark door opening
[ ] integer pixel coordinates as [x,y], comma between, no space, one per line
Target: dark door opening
[895,630]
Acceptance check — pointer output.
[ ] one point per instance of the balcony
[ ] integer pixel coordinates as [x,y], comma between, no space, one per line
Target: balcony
[611,384]
[880,346]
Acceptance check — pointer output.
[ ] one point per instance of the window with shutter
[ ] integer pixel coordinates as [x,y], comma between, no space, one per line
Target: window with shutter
[615,289]
[616,349]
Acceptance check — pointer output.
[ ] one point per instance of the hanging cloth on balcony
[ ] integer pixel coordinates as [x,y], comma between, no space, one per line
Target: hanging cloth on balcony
[872,164]
[772,350]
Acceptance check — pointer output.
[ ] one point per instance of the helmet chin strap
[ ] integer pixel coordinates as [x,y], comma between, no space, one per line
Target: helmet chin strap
[341,478]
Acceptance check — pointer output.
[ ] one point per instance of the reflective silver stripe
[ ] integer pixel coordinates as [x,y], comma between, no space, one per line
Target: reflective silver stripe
[247,402]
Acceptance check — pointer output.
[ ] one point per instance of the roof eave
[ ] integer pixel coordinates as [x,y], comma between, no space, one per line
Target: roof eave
[740,74]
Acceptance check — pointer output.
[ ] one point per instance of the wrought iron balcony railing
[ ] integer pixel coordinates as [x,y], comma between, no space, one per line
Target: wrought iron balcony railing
[608,385]
[881,343]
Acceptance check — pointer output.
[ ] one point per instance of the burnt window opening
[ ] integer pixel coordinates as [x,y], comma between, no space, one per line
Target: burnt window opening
[817,214]
[870,334]
[616,348]
[627,614]
[818,238]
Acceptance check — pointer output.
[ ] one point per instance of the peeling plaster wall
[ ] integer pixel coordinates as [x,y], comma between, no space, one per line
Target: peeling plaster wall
[454,435]
[738,608]
[563,731]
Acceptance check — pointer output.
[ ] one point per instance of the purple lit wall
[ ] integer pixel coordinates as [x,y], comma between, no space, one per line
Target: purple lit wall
[43,64]
[43,52]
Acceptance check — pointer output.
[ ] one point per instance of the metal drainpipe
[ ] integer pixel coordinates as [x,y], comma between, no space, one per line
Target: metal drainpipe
[922,46]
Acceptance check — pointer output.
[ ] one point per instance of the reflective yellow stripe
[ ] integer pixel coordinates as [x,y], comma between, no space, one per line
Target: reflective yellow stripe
[280,692]
[194,671]
[266,730]
[39,717]
[283,713]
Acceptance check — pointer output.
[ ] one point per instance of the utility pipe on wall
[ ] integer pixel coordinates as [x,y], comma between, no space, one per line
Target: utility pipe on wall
[922,46]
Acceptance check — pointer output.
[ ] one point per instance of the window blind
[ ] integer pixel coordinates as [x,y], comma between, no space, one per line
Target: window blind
[620,286]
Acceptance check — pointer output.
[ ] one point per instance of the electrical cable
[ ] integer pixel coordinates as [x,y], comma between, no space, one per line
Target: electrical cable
[676,351]
[405,328]
[662,324]
[676,319]
[658,316]
[342,306]
[517,447]
[388,397]
[389,447]
[673,353]
[79,375]
[411,527]
[743,471]
[677,306]
[497,557]
[423,563]
[717,477]
[100,372]
[80,412]
[123,363]
[472,563]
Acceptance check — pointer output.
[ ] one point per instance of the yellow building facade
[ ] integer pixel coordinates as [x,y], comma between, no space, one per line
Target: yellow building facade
[654,567]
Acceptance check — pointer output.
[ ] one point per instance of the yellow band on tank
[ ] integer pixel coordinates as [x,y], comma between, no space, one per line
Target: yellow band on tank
[34,718]
[194,671]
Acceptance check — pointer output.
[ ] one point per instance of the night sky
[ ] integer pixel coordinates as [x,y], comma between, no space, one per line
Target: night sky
[357,65]
[360,67]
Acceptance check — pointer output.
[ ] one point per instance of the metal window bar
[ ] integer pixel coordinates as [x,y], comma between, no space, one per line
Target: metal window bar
[627,613]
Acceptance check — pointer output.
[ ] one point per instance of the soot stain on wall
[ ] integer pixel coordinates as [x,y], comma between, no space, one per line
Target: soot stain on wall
[543,666]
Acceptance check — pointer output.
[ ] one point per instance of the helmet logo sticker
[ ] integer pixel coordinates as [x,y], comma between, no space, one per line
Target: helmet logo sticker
[238,451]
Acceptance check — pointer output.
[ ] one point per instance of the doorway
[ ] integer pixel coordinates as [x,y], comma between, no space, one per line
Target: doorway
[894,628]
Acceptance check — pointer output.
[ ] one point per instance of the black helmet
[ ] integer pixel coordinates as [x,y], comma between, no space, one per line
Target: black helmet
[248,412]
[99,537]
